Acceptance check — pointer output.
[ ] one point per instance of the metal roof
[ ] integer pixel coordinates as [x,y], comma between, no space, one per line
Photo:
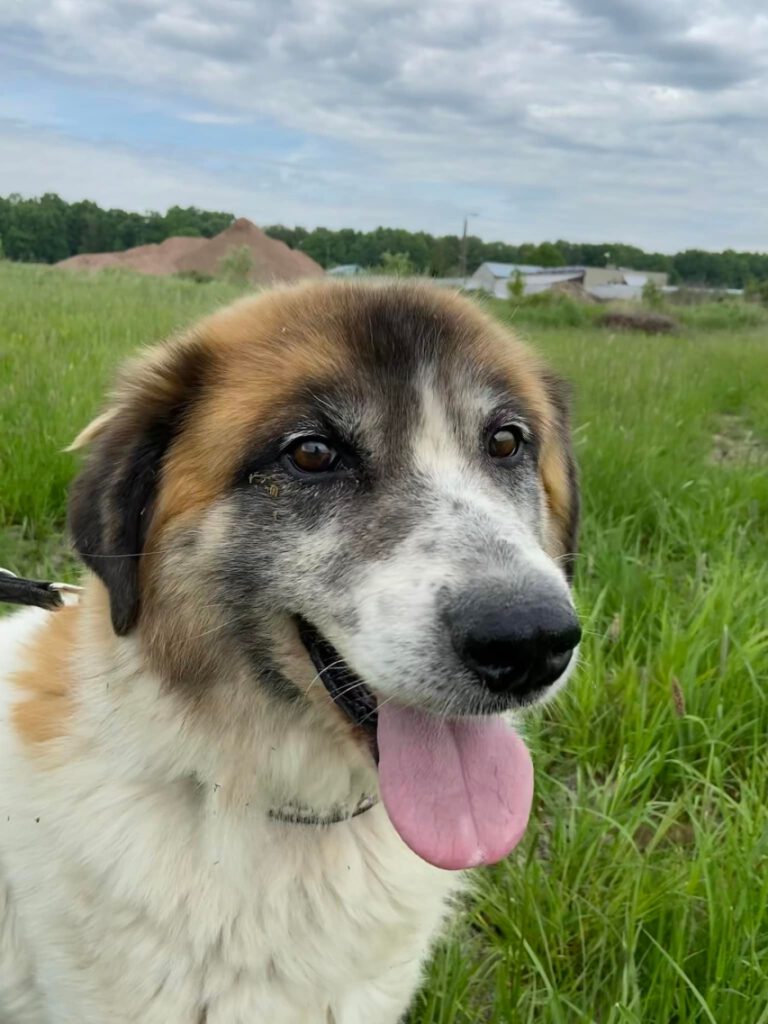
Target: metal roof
[556,276]
[535,283]
[508,269]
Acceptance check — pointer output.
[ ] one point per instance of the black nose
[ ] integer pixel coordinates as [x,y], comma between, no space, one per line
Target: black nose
[514,647]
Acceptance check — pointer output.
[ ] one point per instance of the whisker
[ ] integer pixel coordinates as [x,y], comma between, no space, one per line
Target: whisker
[206,632]
[378,708]
[317,678]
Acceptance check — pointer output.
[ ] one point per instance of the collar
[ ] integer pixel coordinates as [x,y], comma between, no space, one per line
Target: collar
[39,593]
[297,814]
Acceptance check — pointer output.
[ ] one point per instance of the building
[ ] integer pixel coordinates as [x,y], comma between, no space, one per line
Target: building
[544,280]
[596,277]
[494,277]
[601,282]
[606,283]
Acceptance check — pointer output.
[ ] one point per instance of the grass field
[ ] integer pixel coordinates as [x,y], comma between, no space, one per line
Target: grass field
[640,893]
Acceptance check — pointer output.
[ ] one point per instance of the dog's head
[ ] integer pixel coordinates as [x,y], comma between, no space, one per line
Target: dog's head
[367,484]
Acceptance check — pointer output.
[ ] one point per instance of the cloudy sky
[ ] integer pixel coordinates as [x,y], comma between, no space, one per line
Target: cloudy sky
[643,121]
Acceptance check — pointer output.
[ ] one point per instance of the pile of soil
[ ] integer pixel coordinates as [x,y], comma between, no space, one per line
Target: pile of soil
[158,259]
[273,261]
[628,320]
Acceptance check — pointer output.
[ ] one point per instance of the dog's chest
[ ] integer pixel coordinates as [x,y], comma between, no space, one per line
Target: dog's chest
[234,923]
[328,915]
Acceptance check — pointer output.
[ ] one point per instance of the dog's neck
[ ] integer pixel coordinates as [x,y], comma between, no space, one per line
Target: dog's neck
[284,762]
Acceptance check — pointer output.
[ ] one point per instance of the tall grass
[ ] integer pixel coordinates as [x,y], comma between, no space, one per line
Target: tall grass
[560,309]
[62,335]
[640,893]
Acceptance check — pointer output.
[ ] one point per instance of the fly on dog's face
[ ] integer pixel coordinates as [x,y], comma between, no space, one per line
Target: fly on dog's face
[369,484]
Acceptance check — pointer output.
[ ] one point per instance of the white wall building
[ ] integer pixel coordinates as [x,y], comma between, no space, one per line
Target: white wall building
[601,282]
[495,278]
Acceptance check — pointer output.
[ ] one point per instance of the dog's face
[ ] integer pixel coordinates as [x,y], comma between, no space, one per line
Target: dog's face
[377,472]
[369,484]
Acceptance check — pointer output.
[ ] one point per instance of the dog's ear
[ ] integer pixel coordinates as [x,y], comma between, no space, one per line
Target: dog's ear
[561,475]
[111,500]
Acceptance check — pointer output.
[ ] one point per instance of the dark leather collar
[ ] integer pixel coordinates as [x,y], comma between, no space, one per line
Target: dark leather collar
[297,814]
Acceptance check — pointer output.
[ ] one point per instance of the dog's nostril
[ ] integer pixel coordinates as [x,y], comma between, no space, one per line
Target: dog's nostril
[559,662]
[518,650]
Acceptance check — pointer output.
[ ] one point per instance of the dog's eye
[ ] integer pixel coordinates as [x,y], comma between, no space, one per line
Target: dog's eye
[505,443]
[312,455]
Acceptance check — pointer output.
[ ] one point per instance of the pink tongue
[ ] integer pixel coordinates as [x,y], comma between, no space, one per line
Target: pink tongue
[458,791]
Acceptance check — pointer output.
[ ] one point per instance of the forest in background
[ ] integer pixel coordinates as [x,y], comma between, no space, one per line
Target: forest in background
[47,229]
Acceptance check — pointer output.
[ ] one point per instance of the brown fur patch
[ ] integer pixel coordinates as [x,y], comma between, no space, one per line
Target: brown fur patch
[554,477]
[541,393]
[46,681]
[261,350]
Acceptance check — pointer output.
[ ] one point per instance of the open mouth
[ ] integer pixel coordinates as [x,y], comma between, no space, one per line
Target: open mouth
[457,790]
[346,689]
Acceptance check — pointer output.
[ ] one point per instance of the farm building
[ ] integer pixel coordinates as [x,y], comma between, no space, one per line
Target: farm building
[600,282]
[544,279]
[494,277]
[620,283]
[599,276]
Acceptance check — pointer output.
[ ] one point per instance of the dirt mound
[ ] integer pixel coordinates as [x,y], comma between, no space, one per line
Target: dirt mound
[628,320]
[273,261]
[158,259]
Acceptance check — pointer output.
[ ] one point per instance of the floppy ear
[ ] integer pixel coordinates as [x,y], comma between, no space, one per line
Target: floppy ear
[561,473]
[111,501]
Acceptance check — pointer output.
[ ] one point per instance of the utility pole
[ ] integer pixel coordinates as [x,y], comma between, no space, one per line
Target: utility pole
[463,251]
[463,256]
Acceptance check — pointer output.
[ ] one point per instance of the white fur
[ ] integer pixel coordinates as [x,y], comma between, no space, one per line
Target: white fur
[141,880]
[398,644]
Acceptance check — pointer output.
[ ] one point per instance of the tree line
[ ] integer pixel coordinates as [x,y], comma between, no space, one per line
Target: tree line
[48,229]
[442,256]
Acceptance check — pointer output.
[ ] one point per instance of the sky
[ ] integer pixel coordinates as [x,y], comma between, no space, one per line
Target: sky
[589,120]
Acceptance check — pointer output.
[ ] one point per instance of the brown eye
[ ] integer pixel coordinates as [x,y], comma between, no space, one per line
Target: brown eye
[505,442]
[313,455]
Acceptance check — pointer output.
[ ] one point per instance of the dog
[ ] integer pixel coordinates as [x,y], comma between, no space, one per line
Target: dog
[329,535]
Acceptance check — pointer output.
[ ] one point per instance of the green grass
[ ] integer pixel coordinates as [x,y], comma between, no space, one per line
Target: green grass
[558,309]
[61,337]
[640,893]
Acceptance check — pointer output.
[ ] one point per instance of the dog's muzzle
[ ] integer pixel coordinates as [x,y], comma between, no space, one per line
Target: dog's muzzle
[515,646]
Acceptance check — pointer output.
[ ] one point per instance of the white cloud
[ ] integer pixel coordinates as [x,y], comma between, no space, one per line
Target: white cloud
[209,117]
[586,118]
[37,161]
